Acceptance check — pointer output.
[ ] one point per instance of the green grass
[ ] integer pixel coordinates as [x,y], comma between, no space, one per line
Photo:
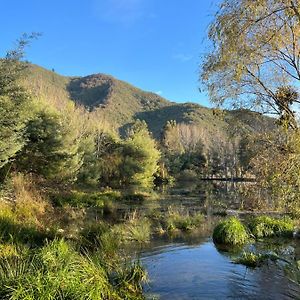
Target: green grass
[251,259]
[177,219]
[57,271]
[264,226]
[134,229]
[230,232]
[81,199]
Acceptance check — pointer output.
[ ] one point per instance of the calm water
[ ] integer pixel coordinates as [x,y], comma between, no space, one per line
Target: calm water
[191,267]
[180,271]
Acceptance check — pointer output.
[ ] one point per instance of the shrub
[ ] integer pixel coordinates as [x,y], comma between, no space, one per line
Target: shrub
[230,232]
[264,226]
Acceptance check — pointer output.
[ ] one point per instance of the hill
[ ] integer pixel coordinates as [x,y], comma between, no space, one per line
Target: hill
[120,103]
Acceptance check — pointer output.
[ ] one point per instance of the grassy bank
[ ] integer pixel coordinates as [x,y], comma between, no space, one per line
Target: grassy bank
[47,253]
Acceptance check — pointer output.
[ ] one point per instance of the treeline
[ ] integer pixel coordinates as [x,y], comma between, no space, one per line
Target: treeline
[61,141]
[65,142]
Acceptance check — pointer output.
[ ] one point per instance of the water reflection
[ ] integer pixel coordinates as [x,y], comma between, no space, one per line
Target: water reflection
[179,271]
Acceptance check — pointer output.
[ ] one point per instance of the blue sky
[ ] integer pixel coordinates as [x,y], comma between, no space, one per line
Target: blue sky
[155,45]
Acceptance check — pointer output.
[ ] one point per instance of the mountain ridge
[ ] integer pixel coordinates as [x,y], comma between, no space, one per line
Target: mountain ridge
[121,103]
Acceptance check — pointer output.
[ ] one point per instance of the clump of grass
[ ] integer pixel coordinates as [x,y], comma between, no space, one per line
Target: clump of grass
[91,235]
[230,232]
[57,271]
[178,219]
[251,259]
[28,205]
[130,279]
[264,226]
[8,250]
[135,229]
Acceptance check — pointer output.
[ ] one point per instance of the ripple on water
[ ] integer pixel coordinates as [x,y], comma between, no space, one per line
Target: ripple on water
[202,272]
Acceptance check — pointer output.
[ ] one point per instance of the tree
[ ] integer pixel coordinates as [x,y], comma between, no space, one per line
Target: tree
[255,58]
[14,101]
[52,146]
[276,166]
[183,146]
[132,161]
[141,155]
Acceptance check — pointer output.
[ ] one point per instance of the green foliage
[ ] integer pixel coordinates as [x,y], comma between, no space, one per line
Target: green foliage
[14,104]
[230,232]
[143,155]
[245,67]
[135,229]
[178,219]
[251,259]
[87,199]
[264,226]
[133,161]
[91,236]
[115,105]
[276,166]
[51,149]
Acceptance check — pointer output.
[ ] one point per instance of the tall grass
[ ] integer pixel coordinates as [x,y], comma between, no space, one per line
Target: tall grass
[22,219]
[135,228]
[178,219]
[57,271]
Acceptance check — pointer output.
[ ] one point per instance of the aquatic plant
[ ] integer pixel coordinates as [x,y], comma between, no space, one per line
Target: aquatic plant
[230,232]
[265,226]
[134,229]
[177,219]
[251,259]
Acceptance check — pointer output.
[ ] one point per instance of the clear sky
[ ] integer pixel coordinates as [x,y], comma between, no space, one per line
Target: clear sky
[155,45]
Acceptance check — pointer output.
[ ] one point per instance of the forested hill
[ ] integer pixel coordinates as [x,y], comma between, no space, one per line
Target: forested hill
[120,103]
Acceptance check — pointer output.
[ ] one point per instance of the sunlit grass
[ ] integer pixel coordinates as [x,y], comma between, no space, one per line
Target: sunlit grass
[264,226]
[230,232]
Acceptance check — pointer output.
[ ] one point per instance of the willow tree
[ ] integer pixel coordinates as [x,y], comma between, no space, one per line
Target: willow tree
[255,57]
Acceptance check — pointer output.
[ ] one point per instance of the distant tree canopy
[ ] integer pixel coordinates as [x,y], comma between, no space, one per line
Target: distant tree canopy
[66,142]
[184,147]
[255,58]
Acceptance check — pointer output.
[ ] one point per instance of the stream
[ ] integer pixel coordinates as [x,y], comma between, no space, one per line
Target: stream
[200,271]
[191,267]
